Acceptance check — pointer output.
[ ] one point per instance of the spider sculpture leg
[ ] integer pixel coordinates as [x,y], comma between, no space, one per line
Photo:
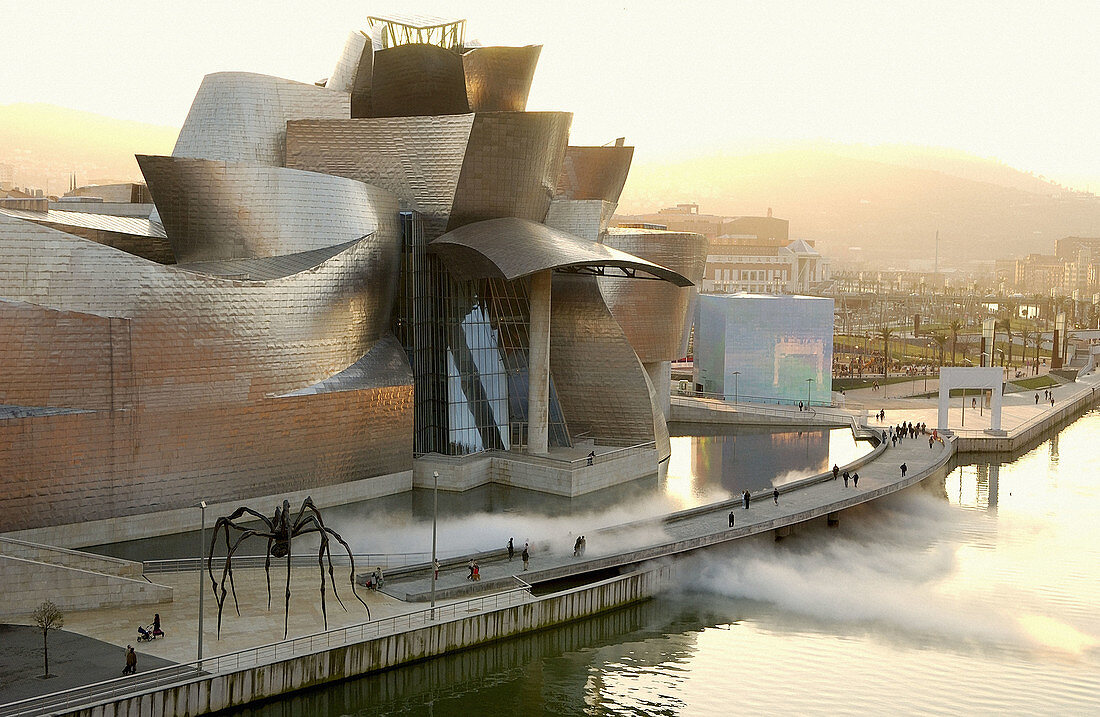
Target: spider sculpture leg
[286,615]
[320,526]
[301,528]
[267,569]
[228,570]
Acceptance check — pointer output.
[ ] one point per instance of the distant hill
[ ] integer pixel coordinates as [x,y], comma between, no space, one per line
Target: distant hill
[45,143]
[888,200]
[891,207]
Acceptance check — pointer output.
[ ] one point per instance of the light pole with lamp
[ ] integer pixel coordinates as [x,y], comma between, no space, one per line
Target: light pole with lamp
[809,382]
[202,591]
[735,375]
[435,514]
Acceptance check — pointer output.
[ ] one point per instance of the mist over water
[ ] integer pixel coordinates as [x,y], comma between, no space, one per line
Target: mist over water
[974,595]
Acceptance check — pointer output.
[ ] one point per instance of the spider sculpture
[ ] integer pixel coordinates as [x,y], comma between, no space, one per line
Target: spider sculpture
[279,532]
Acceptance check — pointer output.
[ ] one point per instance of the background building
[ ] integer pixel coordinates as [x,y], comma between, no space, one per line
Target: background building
[765,348]
[753,254]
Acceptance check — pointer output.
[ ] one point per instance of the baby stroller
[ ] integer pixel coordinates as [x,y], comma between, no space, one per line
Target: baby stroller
[149,633]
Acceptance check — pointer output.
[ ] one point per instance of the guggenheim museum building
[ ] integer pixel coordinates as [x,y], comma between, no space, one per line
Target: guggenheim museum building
[345,287]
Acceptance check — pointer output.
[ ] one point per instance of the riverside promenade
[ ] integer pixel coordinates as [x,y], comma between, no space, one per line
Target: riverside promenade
[623,563]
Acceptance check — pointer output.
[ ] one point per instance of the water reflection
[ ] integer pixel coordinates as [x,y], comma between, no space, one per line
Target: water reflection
[714,465]
[702,469]
[993,571]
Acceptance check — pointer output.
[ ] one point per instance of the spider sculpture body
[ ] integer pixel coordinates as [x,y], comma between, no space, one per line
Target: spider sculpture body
[279,531]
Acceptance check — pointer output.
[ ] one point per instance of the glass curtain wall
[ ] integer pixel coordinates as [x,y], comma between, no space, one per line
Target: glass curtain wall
[467,342]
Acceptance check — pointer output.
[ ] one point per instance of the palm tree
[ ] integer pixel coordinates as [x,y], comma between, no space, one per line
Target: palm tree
[1025,336]
[956,326]
[1005,324]
[940,341]
[885,332]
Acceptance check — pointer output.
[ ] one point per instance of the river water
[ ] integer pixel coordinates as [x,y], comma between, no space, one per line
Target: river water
[974,595]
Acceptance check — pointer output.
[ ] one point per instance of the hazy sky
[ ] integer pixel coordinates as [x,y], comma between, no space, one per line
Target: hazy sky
[1012,80]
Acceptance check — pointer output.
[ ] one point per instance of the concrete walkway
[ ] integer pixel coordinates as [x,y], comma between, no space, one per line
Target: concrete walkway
[75,660]
[617,545]
[1017,408]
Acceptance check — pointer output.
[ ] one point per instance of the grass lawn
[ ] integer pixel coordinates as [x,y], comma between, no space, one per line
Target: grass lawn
[848,384]
[1036,382]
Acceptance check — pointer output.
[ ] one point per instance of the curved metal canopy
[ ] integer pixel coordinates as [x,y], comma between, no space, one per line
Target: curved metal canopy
[512,248]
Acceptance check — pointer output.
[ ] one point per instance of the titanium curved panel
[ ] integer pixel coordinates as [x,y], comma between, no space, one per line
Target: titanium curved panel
[419,159]
[198,338]
[354,72]
[61,358]
[418,79]
[215,210]
[168,380]
[511,165]
[601,385]
[594,172]
[499,78]
[133,235]
[511,248]
[242,116]
[656,317]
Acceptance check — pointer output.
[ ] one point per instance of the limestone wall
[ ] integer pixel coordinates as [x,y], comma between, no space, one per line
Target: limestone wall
[28,582]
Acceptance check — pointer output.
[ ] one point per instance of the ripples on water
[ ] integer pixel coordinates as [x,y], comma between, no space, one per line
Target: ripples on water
[973,596]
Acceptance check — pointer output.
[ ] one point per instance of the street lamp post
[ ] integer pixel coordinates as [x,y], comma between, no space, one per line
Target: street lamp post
[735,375]
[202,546]
[809,382]
[435,516]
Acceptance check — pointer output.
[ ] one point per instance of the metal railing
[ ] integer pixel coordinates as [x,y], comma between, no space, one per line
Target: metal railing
[725,402]
[1028,424]
[617,452]
[265,654]
[243,562]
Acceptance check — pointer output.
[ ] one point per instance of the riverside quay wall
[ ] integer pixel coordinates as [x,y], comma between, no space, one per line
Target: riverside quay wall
[209,693]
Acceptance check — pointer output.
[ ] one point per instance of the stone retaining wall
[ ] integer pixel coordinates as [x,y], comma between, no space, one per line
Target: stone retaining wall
[211,693]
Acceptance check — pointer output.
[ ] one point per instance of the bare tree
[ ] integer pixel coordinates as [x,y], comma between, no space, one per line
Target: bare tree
[47,616]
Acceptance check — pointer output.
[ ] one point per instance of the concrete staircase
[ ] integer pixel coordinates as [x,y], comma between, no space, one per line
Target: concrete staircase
[73,580]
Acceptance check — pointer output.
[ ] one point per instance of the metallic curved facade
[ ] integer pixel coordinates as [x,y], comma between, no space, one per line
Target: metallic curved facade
[215,210]
[511,248]
[512,161]
[133,235]
[453,169]
[417,79]
[656,316]
[594,172]
[419,159]
[176,385]
[602,386]
[499,78]
[241,116]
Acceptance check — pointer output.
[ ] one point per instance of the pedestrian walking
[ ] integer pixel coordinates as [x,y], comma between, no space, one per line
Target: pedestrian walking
[584,545]
[511,550]
[894,441]
[855,480]
[436,566]
[477,572]
[903,469]
[525,555]
[731,518]
[836,471]
[748,499]
[930,442]
[775,495]
[470,567]
[577,547]
[131,661]
[845,479]
[1036,398]
[591,457]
